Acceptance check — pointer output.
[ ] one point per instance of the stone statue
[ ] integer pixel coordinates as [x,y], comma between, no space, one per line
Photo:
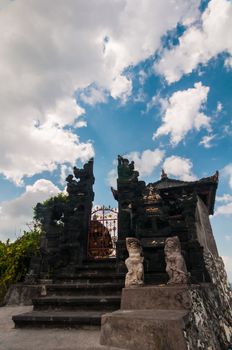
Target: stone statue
[175,264]
[126,170]
[134,263]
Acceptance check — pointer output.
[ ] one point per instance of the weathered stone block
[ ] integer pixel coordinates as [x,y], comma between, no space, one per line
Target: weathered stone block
[144,329]
[156,297]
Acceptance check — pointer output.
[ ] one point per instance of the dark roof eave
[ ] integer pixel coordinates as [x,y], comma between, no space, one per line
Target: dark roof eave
[211,182]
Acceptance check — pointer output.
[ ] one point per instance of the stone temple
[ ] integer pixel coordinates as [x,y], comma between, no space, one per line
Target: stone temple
[160,238]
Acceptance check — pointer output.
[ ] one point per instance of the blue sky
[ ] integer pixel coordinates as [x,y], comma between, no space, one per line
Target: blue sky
[150,80]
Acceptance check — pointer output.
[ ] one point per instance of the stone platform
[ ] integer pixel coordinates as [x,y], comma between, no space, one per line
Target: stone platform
[171,317]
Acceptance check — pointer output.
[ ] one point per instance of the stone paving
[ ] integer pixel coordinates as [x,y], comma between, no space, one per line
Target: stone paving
[45,339]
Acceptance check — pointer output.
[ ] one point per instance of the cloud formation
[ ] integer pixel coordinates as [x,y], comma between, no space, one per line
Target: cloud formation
[200,43]
[146,161]
[179,167]
[225,209]
[226,199]
[59,49]
[17,213]
[206,141]
[182,112]
[227,171]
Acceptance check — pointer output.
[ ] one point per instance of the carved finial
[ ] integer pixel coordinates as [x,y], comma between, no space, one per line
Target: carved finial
[215,176]
[163,174]
[69,178]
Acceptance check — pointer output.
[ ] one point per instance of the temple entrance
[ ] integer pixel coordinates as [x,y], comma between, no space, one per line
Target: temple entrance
[103,233]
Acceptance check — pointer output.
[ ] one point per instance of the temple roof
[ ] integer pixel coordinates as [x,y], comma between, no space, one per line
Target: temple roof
[205,187]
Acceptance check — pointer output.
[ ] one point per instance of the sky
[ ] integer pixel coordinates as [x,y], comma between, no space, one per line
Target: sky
[147,79]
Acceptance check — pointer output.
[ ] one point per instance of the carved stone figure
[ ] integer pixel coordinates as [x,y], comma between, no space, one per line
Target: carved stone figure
[175,264]
[126,170]
[134,263]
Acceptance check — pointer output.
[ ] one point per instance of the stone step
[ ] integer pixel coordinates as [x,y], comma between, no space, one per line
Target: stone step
[90,277]
[97,266]
[77,303]
[71,289]
[103,261]
[64,319]
[95,272]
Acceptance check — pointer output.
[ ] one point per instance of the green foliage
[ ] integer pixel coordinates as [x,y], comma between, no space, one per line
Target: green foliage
[15,258]
[61,197]
[44,211]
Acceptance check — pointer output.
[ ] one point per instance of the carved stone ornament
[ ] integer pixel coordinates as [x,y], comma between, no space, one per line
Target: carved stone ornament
[30,277]
[175,264]
[134,263]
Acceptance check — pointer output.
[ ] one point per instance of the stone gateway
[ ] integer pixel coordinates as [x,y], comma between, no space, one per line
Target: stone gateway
[165,250]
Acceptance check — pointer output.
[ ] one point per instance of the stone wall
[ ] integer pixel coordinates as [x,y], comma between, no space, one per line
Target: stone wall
[203,228]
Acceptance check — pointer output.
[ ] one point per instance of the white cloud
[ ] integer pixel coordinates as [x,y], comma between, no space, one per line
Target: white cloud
[60,49]
[65,113]
[179,167]
[38,149]
[157,100]
[65,170]
[146,161]
[227,171]
[227,129]
[200,42]
[81,124]
[112,178]
[219,107]
[228,62]
[121,87]
[182,113]
[206,141]
[93,95]
[225,198]
[17,213]
[142,76]
[224,209]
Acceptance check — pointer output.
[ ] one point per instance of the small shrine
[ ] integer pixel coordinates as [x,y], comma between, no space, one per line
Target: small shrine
[165,208]
[148,272]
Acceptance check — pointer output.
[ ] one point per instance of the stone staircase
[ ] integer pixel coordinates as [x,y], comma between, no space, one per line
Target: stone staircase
[77,299]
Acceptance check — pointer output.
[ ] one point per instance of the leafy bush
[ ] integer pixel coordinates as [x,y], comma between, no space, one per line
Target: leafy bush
[51,208]
[15,258]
